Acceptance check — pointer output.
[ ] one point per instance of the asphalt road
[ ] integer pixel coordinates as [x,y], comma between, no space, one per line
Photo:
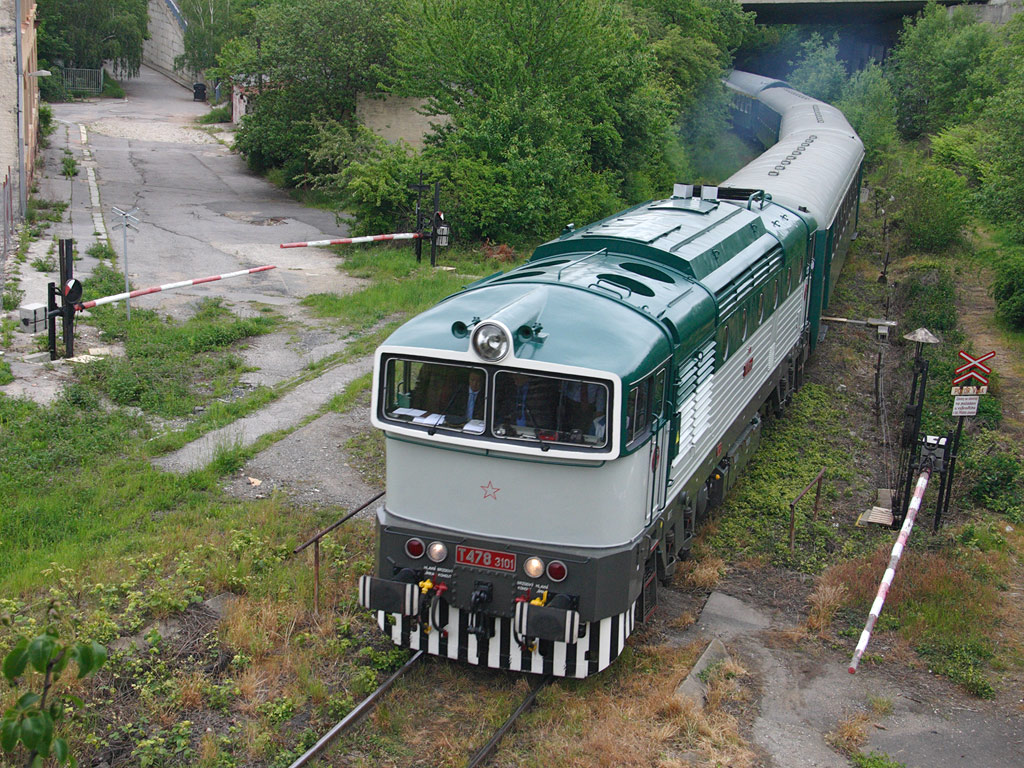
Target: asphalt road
[200,211]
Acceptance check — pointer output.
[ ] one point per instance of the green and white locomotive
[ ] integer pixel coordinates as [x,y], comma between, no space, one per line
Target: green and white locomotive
[556,433]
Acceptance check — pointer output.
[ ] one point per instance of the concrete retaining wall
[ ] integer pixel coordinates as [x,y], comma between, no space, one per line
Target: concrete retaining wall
[166,40]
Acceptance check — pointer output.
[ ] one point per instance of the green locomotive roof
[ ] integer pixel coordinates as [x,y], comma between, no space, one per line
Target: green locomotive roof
[661,273]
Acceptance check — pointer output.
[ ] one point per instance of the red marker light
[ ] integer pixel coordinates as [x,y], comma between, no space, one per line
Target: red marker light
[414,548]
[557,570]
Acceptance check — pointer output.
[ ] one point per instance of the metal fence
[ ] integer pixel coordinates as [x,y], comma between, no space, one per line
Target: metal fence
[83,80]
[8,222]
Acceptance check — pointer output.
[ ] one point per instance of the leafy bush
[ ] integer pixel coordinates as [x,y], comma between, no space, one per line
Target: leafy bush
[932,205]
[1008,290]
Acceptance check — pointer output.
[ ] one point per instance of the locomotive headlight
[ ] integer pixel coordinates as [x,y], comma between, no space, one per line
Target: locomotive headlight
[534,567]
[437,551]
[490,342]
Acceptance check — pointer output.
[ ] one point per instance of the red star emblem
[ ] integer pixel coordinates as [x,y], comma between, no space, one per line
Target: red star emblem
[490,492]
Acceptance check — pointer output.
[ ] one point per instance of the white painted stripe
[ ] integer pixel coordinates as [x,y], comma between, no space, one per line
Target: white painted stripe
[472,649]
[453,633]
[581,653]
[494,646]
[604,640]
[515,662]
[559,659]
[537,661]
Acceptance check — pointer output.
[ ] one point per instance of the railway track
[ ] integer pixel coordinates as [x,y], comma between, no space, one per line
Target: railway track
[479,758]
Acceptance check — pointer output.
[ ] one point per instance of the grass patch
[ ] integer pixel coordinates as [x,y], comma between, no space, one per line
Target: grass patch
[944,603]
[221,114]
[103,250]
[38,209]
[111,88]
[169,368]
[754,521]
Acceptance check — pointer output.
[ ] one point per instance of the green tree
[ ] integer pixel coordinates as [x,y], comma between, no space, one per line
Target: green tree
[554,109]
[941,71]
[869,105]
[818,71]
[87,33]
[1000,134]
[306,60]
[211,23]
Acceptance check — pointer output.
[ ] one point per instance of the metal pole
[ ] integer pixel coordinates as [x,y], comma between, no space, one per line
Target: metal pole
[316,577]
[51,318]
[20,84]
[434,223]
[127,289]
[127,220]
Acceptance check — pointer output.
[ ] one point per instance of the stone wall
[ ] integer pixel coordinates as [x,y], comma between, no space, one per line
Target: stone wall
[166,40]
[996,11]
[395,118]
[8,91]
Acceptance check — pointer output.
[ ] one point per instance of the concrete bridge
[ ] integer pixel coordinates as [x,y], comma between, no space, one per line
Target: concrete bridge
[865,12]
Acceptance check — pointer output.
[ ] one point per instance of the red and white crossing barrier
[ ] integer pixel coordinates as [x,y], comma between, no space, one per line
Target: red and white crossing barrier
[168,287]
[366,239]
[897,550]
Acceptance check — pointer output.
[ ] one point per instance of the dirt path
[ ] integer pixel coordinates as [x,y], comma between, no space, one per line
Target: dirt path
[977,314]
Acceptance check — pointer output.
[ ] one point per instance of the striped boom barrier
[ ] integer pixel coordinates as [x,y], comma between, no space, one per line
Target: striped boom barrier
[897,550]
[168,287]
[350,240]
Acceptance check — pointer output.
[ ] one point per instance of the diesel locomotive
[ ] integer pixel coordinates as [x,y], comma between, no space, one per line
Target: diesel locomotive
[556,433]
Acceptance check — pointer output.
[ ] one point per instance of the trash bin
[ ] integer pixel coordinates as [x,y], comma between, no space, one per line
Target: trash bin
[198,91]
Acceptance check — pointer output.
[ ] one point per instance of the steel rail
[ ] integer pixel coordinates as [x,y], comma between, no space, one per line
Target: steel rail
[485,752]
[358,713]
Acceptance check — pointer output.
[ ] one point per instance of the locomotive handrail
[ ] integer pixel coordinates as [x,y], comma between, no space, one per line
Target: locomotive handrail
[597,284]
[315,541]
[580,259]
[760,195]
[331,527]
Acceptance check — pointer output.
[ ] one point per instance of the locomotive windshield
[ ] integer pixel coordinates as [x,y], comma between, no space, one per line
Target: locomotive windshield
[502,404]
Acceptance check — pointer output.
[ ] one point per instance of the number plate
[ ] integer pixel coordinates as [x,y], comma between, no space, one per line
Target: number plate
[485,558]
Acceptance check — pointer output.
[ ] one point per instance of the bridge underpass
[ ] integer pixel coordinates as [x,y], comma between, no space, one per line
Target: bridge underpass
[860,12]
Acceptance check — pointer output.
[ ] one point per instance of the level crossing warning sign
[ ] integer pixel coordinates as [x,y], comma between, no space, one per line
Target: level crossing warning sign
[965,398]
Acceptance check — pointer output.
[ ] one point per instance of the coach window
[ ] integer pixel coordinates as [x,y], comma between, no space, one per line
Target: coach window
[789,280]
[775,292]
[743,336]
[760,308]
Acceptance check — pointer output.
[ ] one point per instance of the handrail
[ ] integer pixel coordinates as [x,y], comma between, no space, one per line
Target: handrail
[315,542]
[331,527]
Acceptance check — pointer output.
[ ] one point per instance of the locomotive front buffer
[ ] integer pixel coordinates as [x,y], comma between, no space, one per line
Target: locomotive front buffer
[415,596]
